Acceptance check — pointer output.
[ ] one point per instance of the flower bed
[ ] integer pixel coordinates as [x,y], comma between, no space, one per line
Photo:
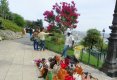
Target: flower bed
[58,68]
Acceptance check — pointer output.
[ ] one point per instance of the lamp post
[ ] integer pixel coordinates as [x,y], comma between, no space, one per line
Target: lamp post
[103,32]
[110,64]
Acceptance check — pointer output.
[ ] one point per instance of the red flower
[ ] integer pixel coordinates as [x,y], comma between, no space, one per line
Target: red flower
[57,19]
[64,14]
[68,77]
[49,28]
[67,61]
[48,14]
[63,65]
[74,26]
[73,2]
[57,10]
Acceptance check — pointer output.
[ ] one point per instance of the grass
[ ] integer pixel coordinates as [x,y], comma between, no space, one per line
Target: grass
[54,47]
[59,47]
[7,24]
[93,60]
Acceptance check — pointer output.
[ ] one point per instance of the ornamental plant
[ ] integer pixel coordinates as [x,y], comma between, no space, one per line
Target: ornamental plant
[62,16]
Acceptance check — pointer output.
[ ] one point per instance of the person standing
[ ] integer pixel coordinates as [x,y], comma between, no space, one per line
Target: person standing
[42,35]
[30,32]
[23,32]
[69,42]
[35,41]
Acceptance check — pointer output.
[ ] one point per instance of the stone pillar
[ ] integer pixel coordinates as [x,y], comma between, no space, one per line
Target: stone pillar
[110,65]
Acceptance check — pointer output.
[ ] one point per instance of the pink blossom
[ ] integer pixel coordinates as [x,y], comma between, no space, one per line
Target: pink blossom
[66,15]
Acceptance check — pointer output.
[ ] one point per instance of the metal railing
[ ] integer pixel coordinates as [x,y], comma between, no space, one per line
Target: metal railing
[100,56]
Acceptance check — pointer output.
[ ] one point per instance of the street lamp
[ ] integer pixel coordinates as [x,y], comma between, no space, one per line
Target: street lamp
[103,32]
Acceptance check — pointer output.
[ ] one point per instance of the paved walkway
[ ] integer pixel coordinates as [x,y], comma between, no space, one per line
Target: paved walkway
[16,61]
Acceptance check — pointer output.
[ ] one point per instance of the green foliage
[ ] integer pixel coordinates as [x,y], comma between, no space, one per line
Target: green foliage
[57,38]
[10,25]
[93,38]
[51,44]
[54,47]
[34,24]
[59,47]
[6,15]
[19,20]
[103,47]
[29,24]
[1,26]
[10,16]
[39,23]
[93,60]
[4,9]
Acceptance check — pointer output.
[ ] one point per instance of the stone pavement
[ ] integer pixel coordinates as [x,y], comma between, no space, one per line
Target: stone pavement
[16,61]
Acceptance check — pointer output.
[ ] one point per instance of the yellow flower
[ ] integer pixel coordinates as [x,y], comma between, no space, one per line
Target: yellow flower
[80,47]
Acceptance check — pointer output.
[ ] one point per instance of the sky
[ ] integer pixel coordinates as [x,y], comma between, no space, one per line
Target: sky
[93,13]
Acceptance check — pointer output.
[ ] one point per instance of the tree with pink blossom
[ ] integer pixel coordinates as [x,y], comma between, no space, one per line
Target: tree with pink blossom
[62,16]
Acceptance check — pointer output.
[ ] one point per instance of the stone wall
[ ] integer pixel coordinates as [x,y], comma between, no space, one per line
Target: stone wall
[9,35]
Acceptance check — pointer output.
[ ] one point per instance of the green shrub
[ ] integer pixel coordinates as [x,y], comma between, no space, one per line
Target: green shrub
[57,38]
[59,47]
[54,47]
[56,44]
[19,20]
[7,24]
